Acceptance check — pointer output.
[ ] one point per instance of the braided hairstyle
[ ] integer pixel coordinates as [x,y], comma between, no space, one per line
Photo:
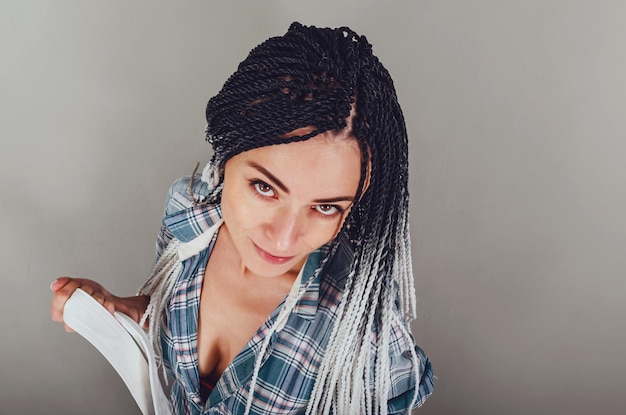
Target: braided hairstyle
[319,80]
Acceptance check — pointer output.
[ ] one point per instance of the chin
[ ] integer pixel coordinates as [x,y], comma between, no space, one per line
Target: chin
[266,270]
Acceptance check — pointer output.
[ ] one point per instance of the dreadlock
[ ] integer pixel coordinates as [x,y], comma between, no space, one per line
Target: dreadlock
[319,80]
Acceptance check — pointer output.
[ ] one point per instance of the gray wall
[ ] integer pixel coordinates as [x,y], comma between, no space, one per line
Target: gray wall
[516,115]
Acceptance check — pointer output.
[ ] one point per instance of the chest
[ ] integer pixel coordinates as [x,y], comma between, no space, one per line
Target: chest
[232,308]
[215,301]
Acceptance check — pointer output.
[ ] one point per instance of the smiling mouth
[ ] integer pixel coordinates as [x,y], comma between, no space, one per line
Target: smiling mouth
[272,259]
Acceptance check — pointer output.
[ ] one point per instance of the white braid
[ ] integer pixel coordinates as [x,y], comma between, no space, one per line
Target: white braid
[160,286]
[355,385]
[290,302]
[342,386]
[365,357]
[415,372]
[324,386]
[403,270]
[382,370]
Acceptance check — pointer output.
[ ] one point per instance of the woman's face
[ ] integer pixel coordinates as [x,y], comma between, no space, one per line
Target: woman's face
[282,202]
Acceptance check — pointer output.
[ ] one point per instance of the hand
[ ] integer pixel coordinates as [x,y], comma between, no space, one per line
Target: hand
[64,287]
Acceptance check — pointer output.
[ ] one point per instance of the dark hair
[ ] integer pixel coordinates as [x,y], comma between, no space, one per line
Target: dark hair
[312,78]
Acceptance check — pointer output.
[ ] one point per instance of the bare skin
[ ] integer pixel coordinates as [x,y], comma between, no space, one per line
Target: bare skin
[232,307]
[279,204]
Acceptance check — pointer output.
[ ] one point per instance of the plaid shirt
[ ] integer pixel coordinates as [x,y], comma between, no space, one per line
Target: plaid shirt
[291,362]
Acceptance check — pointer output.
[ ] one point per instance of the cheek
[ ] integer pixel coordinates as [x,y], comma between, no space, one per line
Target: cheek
[230,206]
[323,233]
[234,212]
[240,209]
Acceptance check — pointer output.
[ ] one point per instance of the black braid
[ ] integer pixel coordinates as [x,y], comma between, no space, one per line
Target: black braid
[312,78]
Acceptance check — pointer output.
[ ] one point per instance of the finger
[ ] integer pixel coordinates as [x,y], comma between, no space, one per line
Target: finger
[89,290]
[84,282]
[59,283]
[110,306]
[98,297]
[68,328]
[60,298]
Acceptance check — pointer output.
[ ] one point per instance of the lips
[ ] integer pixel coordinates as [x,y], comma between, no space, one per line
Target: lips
[272,259]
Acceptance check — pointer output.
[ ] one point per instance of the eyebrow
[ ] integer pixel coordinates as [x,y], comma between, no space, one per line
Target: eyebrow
[285,189]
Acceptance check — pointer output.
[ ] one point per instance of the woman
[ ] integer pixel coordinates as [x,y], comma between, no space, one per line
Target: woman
[285,268]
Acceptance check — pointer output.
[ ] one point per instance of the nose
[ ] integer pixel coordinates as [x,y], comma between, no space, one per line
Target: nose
[284,230]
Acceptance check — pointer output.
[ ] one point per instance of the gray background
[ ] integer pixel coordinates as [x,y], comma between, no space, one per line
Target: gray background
[515,111]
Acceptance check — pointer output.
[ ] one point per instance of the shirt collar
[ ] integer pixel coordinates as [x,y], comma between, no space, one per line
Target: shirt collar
[335,272]
[187,224]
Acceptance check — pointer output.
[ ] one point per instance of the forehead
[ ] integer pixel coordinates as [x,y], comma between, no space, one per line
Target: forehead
[320,162]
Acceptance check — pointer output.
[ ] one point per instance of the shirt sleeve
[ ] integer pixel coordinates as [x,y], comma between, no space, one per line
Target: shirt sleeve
[165,236]
[177,199]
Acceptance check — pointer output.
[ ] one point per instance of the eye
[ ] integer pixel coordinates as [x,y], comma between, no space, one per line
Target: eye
[327,210]
[264,189]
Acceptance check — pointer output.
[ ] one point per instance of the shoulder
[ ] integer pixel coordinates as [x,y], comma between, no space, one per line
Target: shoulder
[183,192]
